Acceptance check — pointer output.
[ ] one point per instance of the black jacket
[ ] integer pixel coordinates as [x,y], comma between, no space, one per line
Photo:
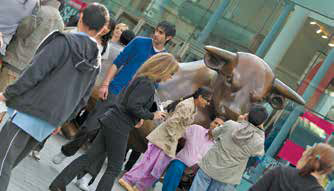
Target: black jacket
[59,80]
[134,103]
[286,179]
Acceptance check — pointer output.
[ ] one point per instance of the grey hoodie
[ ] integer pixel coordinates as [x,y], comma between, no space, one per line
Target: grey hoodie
[235,142]
[59,80]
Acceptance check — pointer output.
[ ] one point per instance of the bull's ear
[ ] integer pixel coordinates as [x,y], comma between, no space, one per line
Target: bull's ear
[215,58]
[287,92]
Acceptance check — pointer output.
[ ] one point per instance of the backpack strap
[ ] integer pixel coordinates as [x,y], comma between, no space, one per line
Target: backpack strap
[35,11]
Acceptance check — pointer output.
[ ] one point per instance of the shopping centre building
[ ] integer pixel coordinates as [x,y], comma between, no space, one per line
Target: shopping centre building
[295,37]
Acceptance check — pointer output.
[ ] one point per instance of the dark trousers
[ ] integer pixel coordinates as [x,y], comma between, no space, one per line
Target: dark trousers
[109,142]
[81,138]
[97,165]
[88,129]
[41,145]
[94,168]
[132,159]
[15,145]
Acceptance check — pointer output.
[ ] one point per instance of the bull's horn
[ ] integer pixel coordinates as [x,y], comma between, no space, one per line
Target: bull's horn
[215,58]
[224,54]
[287,92]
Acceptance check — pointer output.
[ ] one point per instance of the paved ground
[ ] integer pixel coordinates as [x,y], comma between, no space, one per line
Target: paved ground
[32,175]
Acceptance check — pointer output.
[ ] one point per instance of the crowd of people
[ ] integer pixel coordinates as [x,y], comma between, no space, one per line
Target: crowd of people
[103,63]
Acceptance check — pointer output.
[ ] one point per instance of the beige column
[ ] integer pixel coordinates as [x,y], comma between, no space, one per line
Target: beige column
[285,38]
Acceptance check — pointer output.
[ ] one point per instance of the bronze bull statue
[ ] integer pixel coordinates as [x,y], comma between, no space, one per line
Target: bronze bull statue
[238,79]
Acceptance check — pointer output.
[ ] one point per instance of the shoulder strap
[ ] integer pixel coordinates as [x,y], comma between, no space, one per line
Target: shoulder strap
[35,12]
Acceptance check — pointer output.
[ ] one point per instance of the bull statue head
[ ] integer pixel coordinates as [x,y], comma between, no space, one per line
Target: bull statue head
[242,79]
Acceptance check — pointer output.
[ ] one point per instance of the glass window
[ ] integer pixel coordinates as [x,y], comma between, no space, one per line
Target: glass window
[146,30]
[242,26]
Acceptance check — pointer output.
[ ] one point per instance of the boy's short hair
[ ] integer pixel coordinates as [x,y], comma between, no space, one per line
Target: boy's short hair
[168,27]
[257,114]
[95,16]
[126,37]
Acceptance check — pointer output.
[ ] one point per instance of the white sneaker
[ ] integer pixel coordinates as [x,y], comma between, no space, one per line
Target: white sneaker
[36,155]
[58,158]
[83,182]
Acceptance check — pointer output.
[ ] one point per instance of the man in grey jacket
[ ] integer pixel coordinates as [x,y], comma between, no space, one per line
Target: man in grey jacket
[55,86]
[222,167]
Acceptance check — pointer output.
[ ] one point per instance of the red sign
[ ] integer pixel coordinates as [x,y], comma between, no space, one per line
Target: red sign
[78,4]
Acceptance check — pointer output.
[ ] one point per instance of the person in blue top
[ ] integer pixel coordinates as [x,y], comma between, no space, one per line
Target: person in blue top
[133,56]
[117,77]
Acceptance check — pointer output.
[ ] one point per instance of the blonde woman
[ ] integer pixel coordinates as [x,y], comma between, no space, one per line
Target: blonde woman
[133,104]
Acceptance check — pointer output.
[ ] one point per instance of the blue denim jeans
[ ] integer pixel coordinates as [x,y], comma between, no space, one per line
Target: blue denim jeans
[203,182]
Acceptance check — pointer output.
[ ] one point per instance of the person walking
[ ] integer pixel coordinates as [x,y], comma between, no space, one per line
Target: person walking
[197,143]
[62,71]
[102,40]
[119,74]
[28,36]
[134,104]
[315,163]
[88,175]
[222,166]
[163,141]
